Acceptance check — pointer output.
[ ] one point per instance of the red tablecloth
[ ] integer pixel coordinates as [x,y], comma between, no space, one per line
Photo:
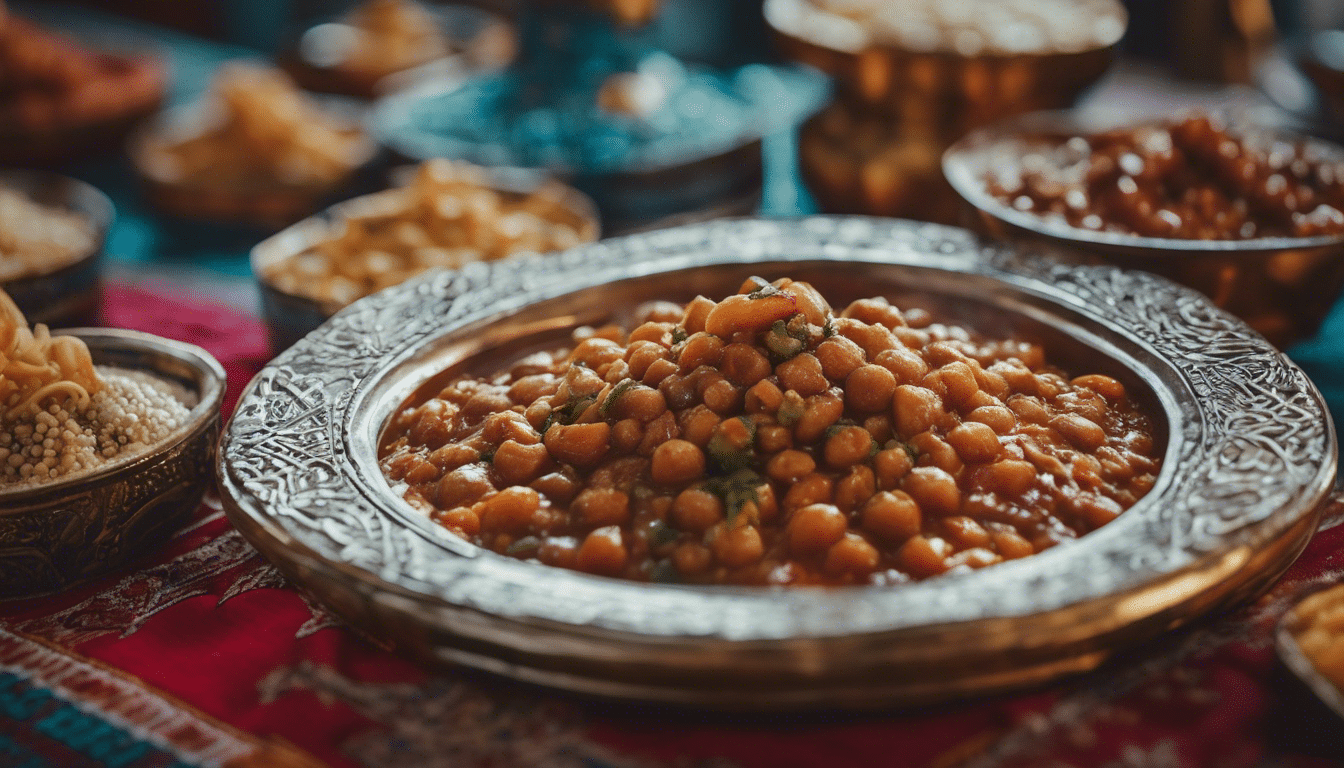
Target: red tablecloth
[201,654]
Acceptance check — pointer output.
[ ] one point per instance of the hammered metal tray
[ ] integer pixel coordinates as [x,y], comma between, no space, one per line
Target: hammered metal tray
[1249,451]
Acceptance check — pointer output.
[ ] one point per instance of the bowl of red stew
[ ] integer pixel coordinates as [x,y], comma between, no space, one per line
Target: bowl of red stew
[752,464]
[1251,216]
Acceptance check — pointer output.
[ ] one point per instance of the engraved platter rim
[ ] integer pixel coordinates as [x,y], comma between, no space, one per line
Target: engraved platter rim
[1237,498]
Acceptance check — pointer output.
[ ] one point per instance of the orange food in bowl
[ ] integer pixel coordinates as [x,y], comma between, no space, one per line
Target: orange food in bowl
[765,439]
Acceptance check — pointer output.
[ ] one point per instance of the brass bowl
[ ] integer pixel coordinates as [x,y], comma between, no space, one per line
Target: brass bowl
[57,535]
[70,294]
[264,204]
[1283,287]
[949,91]
[1249,457]
[290,316]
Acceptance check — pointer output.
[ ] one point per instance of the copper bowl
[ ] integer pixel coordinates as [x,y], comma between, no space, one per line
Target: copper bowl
[953,92]
[57,535]
[70,294]
[1282,287]
[264,204]
[290,316]
[1249,456]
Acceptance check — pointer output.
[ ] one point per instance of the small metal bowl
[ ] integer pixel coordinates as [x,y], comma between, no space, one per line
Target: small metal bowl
[264,204]
[289,316]
[70,294]
[953,91]
[1296,660]
[1282,287]
[57,535]
[1249,456]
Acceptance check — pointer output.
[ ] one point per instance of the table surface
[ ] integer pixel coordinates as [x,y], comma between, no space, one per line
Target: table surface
[209,633]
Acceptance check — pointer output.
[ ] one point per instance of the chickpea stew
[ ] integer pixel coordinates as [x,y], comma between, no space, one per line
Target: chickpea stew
[1193,179]
[766,440]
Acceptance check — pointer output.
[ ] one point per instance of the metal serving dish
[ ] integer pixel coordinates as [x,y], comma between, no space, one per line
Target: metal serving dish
[1249,451]
[1282,287]
[1297,662]
[60,534]
[289,317]
[68,295]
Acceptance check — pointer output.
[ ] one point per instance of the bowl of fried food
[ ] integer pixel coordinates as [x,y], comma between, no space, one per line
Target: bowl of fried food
[257,152]
[449,215]
[59,100]
[380,42]
[52,230]
[1252,217]
[756,464]
[106,439]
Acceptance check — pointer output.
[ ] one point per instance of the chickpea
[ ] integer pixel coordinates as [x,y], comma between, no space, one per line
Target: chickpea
[1029,409]
[802,373]
[848,446]
[872,339]
[739,547]
[653,332]
[461,520]
[915,409]
[764,397]
[1105,386]
[996,417]
[773,438]
[748,313]
[696,311]
[1083,434]
[657,432]
[519,464]
[790,466]
[582,445]
[965,532]
[676,462]
[701,349]
[639,402]
[904,364]
[692,558]
[745,365]
[893,515]
[601,506]
[511,510]
[855,488]
[602,552]
[658,371]
[697,510]
[815,527]
[595,352]
[839,357]
[529,389]
[922,557]
[1009,477]
[1011,545]
[698,424]
[626,435]
[819,413]
[556,486]
[812,489]
[975,442]
[933,489]
[891,466]
[462,487]
[869,388]
[722,397]
[935,451]
[419,471]
[808,301]
[852,555]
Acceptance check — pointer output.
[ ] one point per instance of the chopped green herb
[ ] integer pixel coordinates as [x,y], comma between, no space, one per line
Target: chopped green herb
[791,410]
[736,490]
[661,534]
[828,329]
[679,334]
[781,345]
[567,413]
[616,393]
[731,453]
[911,451]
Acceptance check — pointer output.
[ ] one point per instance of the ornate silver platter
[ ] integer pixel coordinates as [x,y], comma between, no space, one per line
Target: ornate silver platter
[1249,452]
